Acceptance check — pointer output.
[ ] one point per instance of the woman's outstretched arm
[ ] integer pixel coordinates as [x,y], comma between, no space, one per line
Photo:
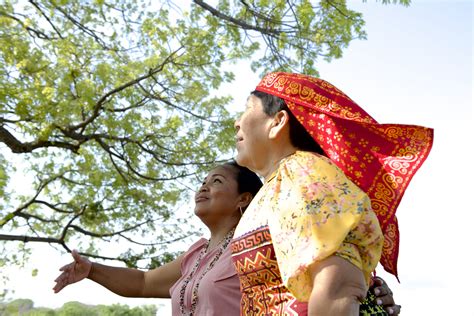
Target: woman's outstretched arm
[122,281]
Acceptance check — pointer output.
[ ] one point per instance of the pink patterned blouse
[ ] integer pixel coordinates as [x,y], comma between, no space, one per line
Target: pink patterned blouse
[219,289]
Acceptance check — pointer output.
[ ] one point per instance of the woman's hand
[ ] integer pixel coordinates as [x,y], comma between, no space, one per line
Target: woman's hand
[74,272]
[384,296]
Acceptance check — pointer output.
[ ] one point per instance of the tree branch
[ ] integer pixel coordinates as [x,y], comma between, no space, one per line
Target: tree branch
[39,218]
[106,96]
[18,147]
[47,18]
[153,244]
[237,22]
[30,30]
[92,234]
[12,215]
[26,239]
[158,98]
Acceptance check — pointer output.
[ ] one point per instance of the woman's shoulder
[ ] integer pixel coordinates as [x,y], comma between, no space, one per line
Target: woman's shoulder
[201,242]
[305,163]
[193,251]
[306,158]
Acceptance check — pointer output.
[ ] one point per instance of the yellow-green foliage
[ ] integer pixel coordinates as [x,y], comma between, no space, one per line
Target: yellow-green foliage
[110,109]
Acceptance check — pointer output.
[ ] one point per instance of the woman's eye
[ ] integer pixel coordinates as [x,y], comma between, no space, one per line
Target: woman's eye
[217,180]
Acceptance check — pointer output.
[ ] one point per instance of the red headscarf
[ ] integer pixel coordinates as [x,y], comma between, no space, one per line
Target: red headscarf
[380,158]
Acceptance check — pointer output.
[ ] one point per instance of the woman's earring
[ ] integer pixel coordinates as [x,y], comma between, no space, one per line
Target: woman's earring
[241,212]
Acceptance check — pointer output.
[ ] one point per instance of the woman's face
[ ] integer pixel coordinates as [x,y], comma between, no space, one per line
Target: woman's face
[218,196]
[252,134]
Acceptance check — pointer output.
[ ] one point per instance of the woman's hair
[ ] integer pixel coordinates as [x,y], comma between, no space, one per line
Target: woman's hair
[299,137]
[247,181]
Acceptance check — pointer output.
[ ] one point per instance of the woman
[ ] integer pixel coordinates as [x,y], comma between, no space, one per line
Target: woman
[309,240]
[206,268]
[203,280]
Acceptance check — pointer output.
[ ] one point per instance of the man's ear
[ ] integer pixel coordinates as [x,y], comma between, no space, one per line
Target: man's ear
[280,123]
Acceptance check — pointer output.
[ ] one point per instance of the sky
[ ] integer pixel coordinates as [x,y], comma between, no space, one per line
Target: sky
[416,67]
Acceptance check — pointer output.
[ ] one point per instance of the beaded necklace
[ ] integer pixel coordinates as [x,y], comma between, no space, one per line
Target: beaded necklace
[194,297]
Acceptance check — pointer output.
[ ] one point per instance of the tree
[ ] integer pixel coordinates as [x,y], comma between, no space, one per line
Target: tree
[111,107]
[26,307]
[16,307]
[118,309]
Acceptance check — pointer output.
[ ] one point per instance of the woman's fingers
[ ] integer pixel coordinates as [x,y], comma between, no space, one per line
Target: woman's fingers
[58,279]
[386,300]
[73,272]
[377,281]
[63,276]
[67,267]
[57,288]
[61,282]
[394,310]
[384,297]
[77,257]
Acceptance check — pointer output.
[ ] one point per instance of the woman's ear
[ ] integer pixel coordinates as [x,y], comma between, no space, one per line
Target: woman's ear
[245,199]
[280,123]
